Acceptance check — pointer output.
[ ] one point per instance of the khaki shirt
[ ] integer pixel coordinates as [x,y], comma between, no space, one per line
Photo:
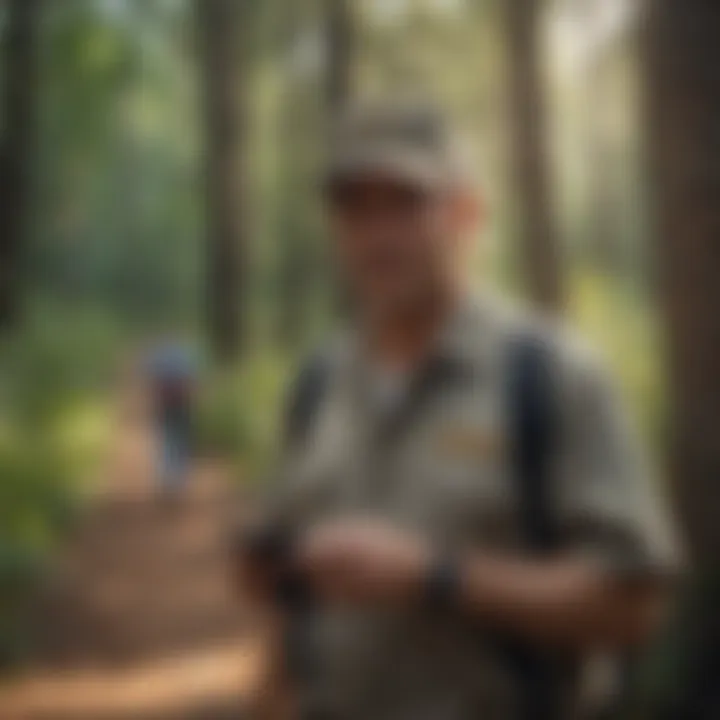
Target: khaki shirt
[439,465]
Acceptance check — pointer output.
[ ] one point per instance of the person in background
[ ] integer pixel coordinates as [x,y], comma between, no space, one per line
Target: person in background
[462,521]
[172,375]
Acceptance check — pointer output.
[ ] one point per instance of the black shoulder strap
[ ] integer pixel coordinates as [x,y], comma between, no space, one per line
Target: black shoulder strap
[304,400]
[306,395]
[533,418]
[533,428]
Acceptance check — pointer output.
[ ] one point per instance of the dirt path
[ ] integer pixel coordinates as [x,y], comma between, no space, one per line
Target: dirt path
[140,622]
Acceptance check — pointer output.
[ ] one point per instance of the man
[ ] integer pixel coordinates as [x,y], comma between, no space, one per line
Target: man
[172,373]
[420,596]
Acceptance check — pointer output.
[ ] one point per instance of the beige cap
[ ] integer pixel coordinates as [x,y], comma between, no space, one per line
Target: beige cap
[411,142]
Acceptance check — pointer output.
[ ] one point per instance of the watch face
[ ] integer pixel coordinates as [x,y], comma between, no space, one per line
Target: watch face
[442,584]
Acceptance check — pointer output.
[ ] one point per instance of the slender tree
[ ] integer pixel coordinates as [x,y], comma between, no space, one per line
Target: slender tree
[294,142]
[682,56]
[16,152]
[219,24]
[537,233]
[602,228]
[340,45]
[340,48]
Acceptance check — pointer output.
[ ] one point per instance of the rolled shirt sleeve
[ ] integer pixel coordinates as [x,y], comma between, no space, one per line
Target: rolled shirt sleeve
[612,506]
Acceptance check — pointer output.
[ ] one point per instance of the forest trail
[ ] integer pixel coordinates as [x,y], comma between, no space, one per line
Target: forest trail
[139,622]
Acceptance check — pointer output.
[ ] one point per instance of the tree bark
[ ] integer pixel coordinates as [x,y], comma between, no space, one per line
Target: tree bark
[538,241]
[17,153]
[603,232]
[340,41]
[219,24]
[681,60]
[340,45]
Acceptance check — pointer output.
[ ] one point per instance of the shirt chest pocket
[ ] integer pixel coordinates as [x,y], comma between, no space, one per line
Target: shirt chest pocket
[458,487]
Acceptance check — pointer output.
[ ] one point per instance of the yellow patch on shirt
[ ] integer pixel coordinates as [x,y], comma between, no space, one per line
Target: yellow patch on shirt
[472,442]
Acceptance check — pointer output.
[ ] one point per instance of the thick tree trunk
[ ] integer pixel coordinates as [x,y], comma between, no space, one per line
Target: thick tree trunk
[682,57]
[220,42]
[536,226]
[16,154]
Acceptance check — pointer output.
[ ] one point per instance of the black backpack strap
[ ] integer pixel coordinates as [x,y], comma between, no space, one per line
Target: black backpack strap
[533,431]
[533,427]
[304,399]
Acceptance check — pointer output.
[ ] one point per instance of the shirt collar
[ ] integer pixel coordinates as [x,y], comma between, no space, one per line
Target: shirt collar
[464,342]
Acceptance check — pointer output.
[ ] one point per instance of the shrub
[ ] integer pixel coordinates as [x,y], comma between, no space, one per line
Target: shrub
[54,428]
[239,411]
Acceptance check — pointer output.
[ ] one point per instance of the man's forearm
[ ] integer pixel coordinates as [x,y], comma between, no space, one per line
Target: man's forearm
[571,601]
[565,602]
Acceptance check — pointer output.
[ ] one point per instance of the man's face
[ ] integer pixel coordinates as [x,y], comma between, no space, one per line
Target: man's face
[398,243]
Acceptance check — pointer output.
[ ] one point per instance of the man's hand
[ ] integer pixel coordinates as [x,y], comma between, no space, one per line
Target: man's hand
[364,561]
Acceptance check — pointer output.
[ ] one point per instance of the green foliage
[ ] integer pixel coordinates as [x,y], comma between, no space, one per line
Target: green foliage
[239,412]
[619,321]
[21,570]
[118,197]
[55,360]
[54,428]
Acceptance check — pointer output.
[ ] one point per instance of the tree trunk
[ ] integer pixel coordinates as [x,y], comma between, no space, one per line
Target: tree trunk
[340,46]
[602,215]
[16,155]
[219,23]
[293,139]
[536,226]
[682,56]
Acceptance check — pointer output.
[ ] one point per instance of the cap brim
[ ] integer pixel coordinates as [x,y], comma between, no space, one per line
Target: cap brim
[406,167]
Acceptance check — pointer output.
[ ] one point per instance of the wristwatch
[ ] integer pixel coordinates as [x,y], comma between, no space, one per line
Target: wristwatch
[442,584]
